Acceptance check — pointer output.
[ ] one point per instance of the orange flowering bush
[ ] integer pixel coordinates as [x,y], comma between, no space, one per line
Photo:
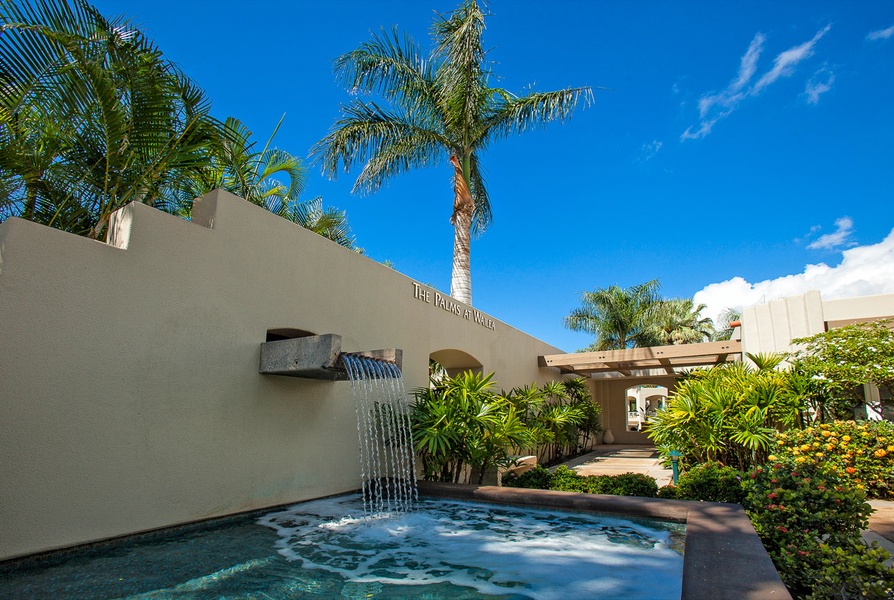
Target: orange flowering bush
[861,453]
[810,520]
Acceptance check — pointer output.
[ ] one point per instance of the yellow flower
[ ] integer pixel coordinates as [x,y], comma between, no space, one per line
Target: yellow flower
[846,438]
[800,459]
[825,433]
[805,447]
[818,455]
[890,448]
[881,453]
[830,447]
[772,458]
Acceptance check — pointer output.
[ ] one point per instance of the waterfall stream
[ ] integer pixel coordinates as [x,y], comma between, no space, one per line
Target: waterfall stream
[387,459]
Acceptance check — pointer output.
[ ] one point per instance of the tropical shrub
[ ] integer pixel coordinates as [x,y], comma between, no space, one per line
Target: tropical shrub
[807,517]
[838,362]
[669,492]
[711,482]
[561,418]
[861,453]
[538,478]
[566,480]
[728,413]
[461,427]
[852,571]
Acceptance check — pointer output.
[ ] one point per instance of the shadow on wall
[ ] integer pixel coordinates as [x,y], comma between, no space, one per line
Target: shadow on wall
[456,362]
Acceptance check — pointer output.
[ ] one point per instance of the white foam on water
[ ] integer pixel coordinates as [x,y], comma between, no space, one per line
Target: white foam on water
[495,549]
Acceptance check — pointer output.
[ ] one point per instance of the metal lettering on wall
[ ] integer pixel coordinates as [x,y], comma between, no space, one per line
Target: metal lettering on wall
[446,303]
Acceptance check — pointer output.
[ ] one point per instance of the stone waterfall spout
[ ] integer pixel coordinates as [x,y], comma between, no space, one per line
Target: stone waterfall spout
[316,357]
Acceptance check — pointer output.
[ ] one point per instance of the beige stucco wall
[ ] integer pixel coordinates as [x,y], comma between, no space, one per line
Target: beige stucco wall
[130,397]
[771,327]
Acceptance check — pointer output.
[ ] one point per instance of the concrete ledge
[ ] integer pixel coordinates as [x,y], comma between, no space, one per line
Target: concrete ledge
[724,558]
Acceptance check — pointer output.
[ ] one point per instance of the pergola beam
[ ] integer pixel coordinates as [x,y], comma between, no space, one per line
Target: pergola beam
[626,362]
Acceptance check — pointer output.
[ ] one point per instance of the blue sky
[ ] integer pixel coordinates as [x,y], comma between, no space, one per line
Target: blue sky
[743,151]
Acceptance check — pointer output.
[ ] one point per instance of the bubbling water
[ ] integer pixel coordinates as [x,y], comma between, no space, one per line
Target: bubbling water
[503,551]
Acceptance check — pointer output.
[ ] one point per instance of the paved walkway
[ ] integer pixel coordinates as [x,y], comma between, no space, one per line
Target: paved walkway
[614,459]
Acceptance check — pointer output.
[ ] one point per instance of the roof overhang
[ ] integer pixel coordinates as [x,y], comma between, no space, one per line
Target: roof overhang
[657,361]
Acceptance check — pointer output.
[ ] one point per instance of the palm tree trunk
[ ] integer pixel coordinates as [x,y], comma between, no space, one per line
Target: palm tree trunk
[463,208]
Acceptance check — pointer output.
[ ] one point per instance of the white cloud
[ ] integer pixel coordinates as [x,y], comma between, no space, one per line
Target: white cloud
[716,106]
[819,84]
[840,237]
[864,271]
[881,34]
[649,150]
[785,63]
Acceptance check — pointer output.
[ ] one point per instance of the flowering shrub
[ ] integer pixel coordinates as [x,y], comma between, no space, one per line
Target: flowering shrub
[862,453]
[711,482]
[807,516]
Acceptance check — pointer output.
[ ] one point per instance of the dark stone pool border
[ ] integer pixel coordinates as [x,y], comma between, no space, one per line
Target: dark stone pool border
[723,559]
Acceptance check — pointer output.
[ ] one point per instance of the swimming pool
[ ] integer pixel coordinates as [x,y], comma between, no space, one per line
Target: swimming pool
[446,549]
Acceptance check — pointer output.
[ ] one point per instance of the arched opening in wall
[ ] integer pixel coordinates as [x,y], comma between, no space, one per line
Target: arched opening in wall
[643,403]
[455,362]
[274,335]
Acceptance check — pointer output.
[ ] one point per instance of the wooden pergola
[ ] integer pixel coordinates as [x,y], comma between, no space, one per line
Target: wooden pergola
[657,361]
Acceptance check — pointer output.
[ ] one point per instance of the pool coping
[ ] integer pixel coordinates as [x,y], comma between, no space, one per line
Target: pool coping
[723,557]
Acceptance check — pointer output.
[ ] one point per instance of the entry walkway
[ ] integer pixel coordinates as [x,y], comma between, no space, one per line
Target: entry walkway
[615,459]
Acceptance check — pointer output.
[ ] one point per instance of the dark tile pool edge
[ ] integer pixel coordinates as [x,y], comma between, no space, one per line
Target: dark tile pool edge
[723,559]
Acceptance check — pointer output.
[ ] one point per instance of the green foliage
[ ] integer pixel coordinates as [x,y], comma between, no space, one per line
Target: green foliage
[561,417]
[566,480]
[677,321]
[838,362]
[462,427]
[91,117]
[617,317]
[852,571]
[862,453]
[461,422]
[711,482]
[807,517]
[669,492]
[538,478]
[636,317]
[728,413]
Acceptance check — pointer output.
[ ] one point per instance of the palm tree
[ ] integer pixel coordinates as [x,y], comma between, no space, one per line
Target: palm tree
[678,321]
[724,324]
[619,318]
[328,222]
[91,116]
[271,178]
[442,109]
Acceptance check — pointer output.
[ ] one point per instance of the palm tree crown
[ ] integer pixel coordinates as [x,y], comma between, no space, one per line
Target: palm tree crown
[619,318]
[439,109]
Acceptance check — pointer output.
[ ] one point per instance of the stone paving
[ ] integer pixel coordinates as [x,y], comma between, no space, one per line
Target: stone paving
[615,459]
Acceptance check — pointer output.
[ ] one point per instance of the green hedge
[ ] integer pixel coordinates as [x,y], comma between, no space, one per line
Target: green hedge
[566,480]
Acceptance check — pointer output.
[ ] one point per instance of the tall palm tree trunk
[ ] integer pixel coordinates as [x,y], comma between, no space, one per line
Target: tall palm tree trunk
[463,209]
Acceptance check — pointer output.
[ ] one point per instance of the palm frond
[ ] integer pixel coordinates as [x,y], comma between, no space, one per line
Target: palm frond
[518,114]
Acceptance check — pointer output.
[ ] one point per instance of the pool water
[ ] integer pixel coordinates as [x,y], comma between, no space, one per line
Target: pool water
[445,549]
